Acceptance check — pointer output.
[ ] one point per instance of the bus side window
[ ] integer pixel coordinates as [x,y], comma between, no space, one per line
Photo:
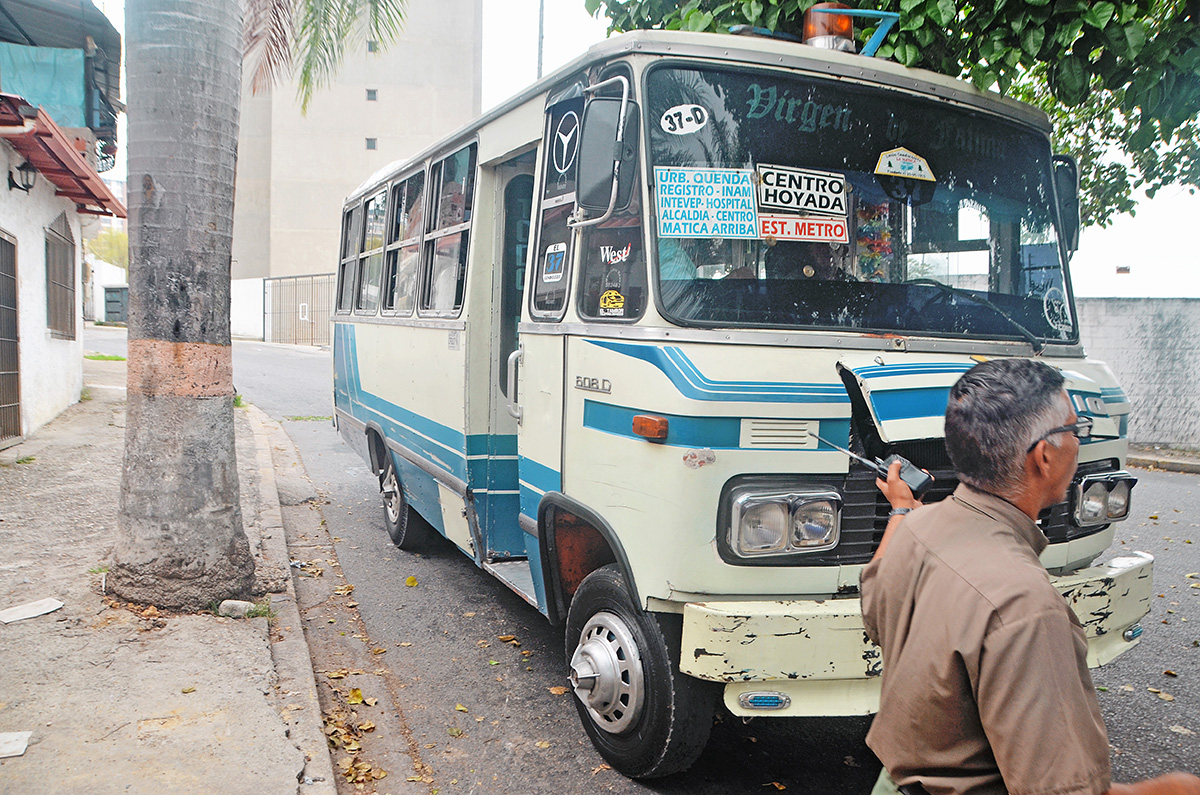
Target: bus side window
[553,256]
[518,202]
[453,181]
[404,245]
[370,263]
[348,266]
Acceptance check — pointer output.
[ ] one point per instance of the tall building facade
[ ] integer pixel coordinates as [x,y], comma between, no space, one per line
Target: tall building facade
[295,170]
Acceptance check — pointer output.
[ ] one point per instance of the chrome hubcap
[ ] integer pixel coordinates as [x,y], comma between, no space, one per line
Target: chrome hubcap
[390,488]
[606,673]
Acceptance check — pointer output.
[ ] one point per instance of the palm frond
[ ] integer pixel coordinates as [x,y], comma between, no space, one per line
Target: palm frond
[328,27]
[267,34]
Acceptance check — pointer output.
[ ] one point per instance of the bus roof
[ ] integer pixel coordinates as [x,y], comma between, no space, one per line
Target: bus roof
[756,50]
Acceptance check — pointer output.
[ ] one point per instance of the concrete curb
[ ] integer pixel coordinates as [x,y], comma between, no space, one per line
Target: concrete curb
[289,649]
[1169,464]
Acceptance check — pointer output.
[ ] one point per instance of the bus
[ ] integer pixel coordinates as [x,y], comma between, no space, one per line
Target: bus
[592,339]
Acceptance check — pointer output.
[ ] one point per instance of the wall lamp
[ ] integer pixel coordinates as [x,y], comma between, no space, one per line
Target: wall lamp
[26,175]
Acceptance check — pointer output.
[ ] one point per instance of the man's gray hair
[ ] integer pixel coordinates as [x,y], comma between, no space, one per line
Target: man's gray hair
[996,411]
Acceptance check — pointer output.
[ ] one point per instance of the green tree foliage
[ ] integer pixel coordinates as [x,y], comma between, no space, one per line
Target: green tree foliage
[112,246]
[1120,80]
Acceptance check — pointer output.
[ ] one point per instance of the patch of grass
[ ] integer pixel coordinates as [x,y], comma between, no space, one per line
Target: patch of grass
[261,609]
[307,418]
[85,394]
[26,459]
[239,402]
[104,357]
[99,569]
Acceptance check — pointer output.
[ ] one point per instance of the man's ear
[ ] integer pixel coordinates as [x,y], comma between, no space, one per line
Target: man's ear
[1037,461]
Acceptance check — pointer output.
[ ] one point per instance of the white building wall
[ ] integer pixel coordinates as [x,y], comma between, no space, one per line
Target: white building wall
[294,171]
[246,308]
[104,274]
[51,369]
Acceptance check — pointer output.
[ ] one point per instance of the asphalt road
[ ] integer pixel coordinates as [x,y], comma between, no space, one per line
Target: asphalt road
[443,638]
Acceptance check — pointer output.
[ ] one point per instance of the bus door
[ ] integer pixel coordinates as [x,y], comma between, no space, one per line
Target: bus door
[538,361]
[492,456]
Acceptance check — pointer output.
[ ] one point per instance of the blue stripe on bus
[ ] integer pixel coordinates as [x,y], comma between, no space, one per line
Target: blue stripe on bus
[888,370]
[907,404]
[691,383]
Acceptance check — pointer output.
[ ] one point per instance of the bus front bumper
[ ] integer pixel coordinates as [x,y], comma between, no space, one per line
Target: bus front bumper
[813,657]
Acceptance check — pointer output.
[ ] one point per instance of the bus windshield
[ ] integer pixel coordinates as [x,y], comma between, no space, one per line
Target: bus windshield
[782,201]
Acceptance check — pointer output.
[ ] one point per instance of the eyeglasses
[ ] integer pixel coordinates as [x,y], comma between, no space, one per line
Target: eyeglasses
[1082,428]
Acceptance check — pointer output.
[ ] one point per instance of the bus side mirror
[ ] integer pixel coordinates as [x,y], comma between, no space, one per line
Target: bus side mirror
[1066,187]
[600,153]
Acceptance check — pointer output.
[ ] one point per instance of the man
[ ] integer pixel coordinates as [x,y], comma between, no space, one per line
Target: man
[985,685]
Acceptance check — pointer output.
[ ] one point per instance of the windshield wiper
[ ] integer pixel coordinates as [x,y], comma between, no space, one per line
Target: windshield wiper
[1037,344]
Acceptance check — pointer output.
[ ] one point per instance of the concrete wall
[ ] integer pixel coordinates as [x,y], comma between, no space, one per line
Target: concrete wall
[51,369]
[294,171]
[1151,344]
[246,315]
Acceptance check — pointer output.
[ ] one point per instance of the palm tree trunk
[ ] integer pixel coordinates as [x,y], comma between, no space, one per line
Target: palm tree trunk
[181,543]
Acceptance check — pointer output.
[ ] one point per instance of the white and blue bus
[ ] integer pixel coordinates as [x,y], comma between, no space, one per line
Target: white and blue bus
[592,338]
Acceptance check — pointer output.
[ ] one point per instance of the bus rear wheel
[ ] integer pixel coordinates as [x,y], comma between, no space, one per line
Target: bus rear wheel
[644,717]
[402,525]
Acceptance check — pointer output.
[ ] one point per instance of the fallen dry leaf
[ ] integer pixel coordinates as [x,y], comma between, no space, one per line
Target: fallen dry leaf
[468,615]
[775,784]
[378,650]
[370,701]
[411,581]
[355,697]
[337,674]
[188,690]
[344,590]
[542,743]
[1166,696]
[1170,673]
[454,731]
[506,638]
[559,690]
[1182,730]
[598,768]
[366,726]
[460,708]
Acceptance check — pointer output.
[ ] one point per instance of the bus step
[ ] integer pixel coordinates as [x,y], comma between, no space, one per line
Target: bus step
[516,575]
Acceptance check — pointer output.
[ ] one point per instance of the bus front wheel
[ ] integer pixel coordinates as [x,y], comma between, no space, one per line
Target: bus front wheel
[403,527]
[644,717]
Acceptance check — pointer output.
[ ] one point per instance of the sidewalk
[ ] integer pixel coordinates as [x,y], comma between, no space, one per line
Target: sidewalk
[123,700]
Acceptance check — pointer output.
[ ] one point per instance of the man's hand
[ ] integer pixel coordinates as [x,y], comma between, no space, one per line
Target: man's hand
[898,495]
[897,492]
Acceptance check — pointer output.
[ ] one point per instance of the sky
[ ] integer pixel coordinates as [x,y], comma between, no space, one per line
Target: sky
[1162,259]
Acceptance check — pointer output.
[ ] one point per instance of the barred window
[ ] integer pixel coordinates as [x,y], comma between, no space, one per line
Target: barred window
[60,279]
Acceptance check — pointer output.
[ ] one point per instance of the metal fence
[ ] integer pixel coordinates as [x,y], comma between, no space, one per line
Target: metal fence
[297,308]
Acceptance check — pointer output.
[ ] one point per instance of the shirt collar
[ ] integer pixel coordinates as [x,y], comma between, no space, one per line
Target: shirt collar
[1005,512]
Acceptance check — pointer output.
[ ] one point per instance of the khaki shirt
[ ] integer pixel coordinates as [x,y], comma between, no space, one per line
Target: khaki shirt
[985,680]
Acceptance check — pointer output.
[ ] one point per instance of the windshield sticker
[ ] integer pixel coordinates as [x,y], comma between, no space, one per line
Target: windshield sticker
[705,202]
[612,304]
[798,190]
[612,255]
[811,229]
[683,119]
[553,267]
[1054,307]
[808,115]
[901,162]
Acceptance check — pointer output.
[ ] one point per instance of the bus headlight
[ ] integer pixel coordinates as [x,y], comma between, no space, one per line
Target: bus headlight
[1101,498]
[779,523]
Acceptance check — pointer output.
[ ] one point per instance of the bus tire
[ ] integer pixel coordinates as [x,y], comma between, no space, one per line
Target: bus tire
[644,717]
[403,527]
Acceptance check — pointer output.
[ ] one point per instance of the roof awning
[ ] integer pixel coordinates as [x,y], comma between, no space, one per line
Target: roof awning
[40,141]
